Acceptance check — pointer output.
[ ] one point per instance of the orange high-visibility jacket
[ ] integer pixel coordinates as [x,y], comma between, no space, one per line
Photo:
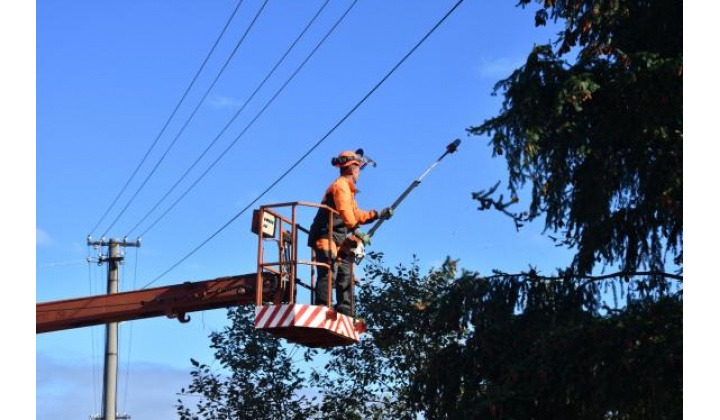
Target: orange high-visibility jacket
[341,197]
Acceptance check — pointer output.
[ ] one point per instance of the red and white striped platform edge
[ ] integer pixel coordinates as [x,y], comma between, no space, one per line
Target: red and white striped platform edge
[286,316]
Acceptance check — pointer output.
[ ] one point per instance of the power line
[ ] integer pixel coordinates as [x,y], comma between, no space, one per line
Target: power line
[322,139]
[247,127]
[62,263]
[275,67]
[152,146]
[207,92]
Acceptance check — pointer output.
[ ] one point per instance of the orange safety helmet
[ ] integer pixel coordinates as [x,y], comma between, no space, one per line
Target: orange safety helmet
[348,158]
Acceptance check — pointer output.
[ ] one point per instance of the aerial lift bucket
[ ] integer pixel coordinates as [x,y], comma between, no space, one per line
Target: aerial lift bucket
[306,324]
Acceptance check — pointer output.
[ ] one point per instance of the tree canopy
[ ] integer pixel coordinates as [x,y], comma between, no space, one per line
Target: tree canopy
[458,345]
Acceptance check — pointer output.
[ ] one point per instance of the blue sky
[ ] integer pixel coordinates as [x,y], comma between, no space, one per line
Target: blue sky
[109,74]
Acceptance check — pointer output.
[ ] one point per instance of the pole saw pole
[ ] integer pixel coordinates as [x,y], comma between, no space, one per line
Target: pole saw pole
[354,246]
[451,148]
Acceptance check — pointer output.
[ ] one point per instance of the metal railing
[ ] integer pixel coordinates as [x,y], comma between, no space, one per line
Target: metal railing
[285,234]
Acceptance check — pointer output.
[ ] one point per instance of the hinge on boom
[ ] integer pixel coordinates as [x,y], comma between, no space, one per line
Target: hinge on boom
[180,316]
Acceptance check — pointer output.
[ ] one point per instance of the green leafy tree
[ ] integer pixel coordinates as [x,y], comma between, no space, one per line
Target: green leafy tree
[255,379]
[598,139]
[371,380]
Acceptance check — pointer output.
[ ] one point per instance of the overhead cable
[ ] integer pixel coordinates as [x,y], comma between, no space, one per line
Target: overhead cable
[272,71]
[250,124]
[207,92]
[322,139]
[167,122]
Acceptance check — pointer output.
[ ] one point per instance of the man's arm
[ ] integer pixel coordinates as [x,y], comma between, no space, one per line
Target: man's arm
[363,216]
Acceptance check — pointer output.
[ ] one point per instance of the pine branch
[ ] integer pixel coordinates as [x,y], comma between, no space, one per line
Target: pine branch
[533,275]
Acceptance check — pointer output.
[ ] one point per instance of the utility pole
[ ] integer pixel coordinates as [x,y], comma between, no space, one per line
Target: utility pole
[119,417]
[114,258]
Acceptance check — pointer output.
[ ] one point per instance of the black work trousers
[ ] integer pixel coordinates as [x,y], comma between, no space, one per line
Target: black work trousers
[342,275]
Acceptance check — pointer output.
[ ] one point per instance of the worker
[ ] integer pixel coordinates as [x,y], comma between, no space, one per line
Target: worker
[340,196]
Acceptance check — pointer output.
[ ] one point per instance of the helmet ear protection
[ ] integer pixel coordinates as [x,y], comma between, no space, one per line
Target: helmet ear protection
[342,161]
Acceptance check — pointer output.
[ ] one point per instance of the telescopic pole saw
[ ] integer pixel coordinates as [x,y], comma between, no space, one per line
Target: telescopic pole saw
[359,249]
[451,148]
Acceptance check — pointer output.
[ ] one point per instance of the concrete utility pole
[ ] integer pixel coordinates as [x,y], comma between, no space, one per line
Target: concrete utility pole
[114,258]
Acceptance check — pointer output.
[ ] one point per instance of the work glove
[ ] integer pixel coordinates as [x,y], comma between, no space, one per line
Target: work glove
[364,237]
[385,213]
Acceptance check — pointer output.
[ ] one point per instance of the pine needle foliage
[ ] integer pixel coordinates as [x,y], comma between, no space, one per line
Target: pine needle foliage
[592,124]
